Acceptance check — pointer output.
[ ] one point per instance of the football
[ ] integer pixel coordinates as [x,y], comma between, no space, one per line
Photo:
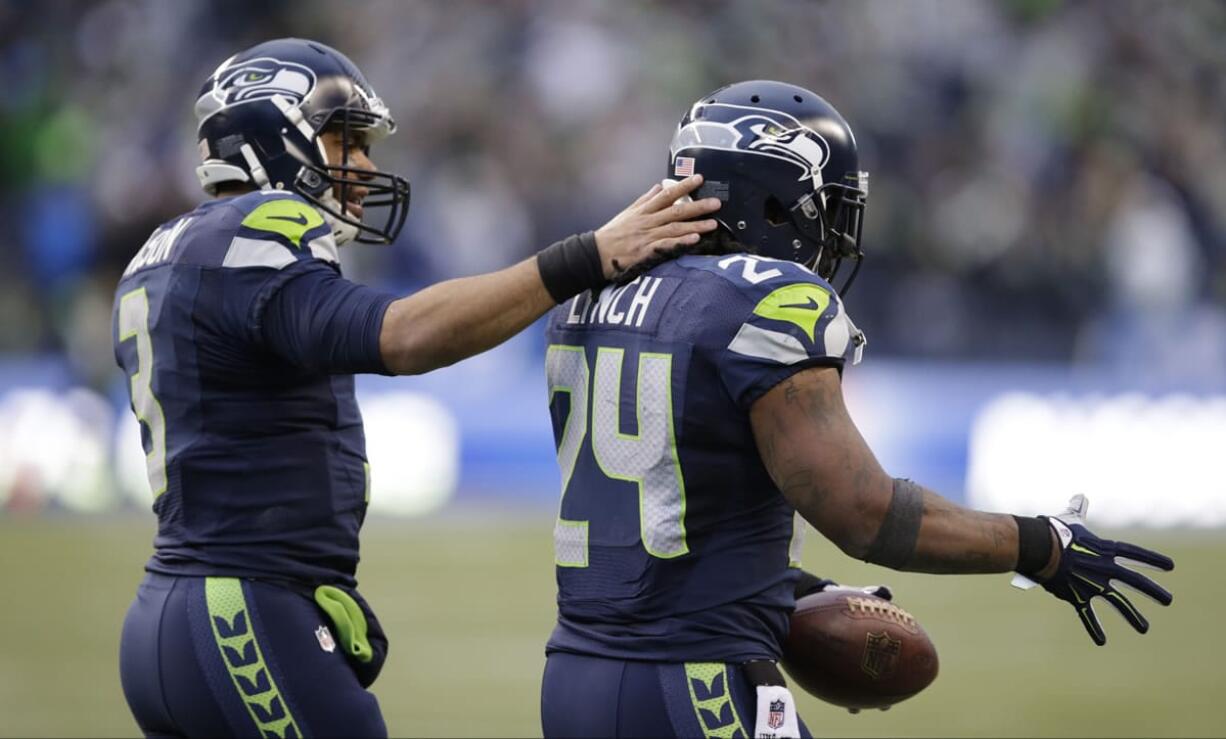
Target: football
[857,650]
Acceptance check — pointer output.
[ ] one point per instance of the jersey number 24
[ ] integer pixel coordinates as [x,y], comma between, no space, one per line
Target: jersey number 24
[648,458]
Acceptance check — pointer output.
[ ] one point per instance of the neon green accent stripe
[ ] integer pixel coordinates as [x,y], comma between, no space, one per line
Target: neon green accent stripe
[1083,550]
[235,635]
[1091,583]
[285,216]
[711,697]
[1091,623]
[1124,602]
[801,304]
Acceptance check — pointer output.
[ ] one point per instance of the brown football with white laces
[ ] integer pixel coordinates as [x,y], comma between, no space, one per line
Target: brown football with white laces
[857,650]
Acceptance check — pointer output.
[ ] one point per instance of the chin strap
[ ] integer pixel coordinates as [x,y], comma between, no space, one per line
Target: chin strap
[253,165]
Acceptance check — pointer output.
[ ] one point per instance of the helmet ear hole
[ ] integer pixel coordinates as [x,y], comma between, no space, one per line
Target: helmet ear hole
[774,212]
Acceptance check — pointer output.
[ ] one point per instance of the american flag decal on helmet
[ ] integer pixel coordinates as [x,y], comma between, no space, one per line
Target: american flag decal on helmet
[683,166]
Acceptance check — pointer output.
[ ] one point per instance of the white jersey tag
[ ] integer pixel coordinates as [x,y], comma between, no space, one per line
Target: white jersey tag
[776,714]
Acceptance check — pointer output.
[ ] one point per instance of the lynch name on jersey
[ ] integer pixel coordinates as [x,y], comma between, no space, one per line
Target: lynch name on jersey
[628,306]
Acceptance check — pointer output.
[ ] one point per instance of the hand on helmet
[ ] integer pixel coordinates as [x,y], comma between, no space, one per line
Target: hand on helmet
[653,227]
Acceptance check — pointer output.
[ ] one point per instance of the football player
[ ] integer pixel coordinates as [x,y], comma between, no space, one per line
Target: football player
[241,338]
[699,407]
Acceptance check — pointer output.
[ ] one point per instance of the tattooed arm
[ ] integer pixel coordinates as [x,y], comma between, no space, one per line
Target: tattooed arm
[816,456]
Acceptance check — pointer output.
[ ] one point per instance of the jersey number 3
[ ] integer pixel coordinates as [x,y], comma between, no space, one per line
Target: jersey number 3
[648,458]
[134,324]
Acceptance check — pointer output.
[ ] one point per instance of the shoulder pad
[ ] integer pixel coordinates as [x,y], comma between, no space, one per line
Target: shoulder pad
[284,214]
[795,315]
[276,229]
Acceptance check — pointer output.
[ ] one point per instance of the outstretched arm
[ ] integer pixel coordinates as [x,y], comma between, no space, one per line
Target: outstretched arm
[453,320]
[456,319]
[821,463]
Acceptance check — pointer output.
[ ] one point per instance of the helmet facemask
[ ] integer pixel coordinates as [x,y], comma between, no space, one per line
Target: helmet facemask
[320,184]
[841,219]
[825,227]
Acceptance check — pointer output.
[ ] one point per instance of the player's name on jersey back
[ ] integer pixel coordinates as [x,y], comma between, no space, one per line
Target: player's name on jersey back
[635,305]
[159,247]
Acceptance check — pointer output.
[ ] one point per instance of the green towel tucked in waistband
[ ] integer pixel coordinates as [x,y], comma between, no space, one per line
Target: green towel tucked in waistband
[349,620]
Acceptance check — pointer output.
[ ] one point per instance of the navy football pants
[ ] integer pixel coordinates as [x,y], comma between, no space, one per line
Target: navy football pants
[584,696]
[220,656]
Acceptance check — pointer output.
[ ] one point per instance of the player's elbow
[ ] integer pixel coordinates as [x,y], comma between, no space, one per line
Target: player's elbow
[846,509]
[402,360]
[855,542]
[851,537]
[414,355]
[853,524]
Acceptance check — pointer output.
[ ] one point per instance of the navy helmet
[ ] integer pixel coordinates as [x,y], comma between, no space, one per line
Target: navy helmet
[784,163]
[261,114]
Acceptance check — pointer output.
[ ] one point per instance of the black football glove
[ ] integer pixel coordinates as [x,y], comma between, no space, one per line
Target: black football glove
[810,584]
[1091,568]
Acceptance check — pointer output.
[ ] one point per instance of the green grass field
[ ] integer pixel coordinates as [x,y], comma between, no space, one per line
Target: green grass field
[468,607]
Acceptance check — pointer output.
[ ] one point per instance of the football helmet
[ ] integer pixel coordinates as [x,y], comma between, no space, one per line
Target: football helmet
[784,163]
[260,116]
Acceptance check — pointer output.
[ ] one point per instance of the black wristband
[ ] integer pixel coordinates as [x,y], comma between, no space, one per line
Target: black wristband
[1033,544]
[571,266]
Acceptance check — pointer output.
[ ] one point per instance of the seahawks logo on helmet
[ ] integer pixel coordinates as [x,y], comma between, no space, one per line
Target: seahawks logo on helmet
[762,131]
[263,78]
[257,79]
[800,144]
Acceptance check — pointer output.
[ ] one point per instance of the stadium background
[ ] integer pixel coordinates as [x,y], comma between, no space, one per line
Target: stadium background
[1043,298]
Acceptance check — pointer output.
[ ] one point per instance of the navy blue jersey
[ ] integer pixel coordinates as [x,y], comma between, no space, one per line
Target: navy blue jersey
[240,338]
[672,542]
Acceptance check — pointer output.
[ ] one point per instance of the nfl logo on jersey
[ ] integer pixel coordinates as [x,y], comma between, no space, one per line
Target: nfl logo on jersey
[775,719]
[325,639]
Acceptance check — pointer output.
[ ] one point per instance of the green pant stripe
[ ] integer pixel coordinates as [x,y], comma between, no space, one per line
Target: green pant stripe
[711,696]
[240,650]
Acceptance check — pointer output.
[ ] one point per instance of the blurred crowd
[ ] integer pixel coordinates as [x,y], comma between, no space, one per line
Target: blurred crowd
[1048,178]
